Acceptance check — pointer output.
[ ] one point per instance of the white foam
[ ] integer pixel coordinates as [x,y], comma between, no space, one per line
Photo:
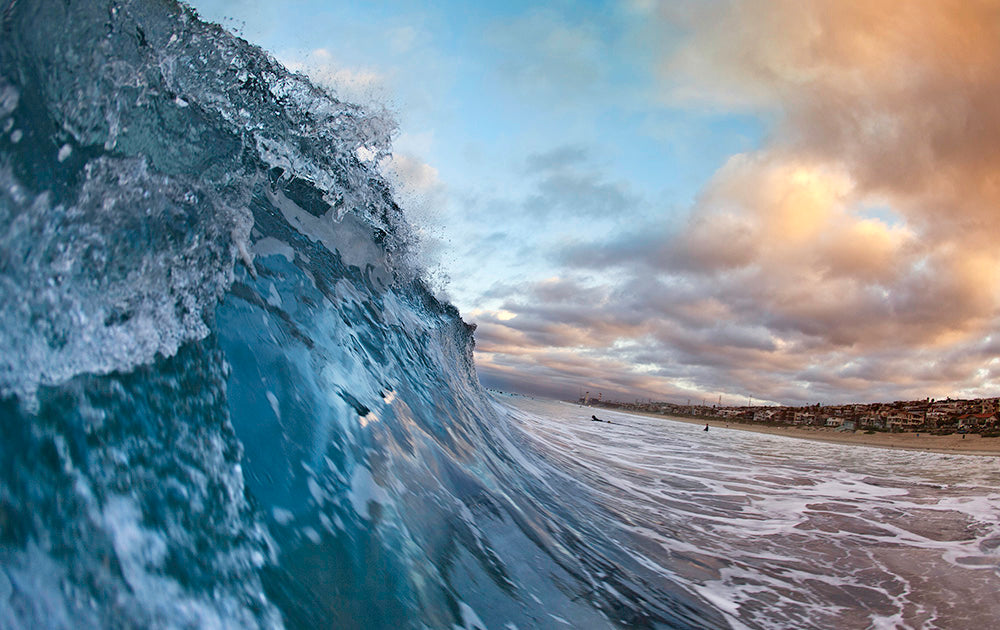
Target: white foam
[364,490]
[347,235]
[273,297]
[470,620]
[270,246]
[273,400]
[781,523]
[311,534]
[144,301]
[282,516]
[317,493]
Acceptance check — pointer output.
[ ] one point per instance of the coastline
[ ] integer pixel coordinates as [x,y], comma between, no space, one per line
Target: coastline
[953,444]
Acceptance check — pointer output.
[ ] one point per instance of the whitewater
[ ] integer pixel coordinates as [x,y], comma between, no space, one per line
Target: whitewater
[228,398]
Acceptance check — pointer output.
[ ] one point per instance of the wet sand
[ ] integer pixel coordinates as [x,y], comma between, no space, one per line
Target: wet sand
[972,444]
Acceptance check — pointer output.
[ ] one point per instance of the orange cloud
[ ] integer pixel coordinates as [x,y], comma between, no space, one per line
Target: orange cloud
[854,255]
[892,102]
[851,257]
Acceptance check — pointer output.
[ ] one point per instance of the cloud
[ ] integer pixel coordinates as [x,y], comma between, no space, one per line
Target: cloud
[359,85]
[410,173]
[556,159]
[652,340]
[417,188]
[885,101]
[567,184]
[851,256]
[423,196]
[782,281]
[579,195]
[904,96]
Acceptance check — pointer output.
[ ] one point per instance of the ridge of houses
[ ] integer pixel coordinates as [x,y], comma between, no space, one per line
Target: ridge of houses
[981,415]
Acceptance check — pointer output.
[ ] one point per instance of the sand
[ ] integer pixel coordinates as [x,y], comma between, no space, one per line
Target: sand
[971,444]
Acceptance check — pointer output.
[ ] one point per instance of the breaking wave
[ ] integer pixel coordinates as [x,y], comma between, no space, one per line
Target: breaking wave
[227,398]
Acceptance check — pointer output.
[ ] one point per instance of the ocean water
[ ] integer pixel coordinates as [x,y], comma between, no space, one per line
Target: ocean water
[229,400]
[779,532]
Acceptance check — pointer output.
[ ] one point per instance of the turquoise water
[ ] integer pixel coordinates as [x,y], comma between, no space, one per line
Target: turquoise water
[228,399]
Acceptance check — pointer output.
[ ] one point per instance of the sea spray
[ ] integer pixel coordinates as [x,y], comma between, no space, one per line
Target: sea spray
[229,399]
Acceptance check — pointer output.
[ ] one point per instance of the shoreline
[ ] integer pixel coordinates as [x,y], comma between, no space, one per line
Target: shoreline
[953,444]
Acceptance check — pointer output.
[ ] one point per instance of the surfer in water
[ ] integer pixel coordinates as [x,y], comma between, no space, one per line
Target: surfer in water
[706,427]
[596,419]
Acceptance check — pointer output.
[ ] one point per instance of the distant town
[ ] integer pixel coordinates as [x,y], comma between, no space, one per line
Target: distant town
[940,417]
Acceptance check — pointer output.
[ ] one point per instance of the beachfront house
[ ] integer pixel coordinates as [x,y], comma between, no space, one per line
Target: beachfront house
[803,418]
[766,415]
[950,407]
[977,421]
[901,420]
[937,418]
[872,420]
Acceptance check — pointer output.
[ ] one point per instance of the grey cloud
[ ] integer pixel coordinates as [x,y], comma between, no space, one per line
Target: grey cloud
[724,354]
[644,249]
[779,285]
[500,290]
[579,194]
[556,159]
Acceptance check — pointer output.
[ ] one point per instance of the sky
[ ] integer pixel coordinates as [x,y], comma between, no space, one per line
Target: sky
[777,201]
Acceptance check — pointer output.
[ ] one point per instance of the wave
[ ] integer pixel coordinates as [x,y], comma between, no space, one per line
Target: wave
[228,397]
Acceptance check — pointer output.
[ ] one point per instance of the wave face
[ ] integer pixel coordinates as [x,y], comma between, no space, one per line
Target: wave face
[227,398]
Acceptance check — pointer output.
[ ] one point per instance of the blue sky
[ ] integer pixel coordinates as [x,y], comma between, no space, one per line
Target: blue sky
[478,89]
[674,199]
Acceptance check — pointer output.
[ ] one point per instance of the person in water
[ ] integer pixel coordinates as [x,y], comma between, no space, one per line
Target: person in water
[596,419]
[706,426]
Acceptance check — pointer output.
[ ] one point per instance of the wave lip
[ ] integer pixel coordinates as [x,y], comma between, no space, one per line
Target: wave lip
[228,398]
[133,138]
[99,286]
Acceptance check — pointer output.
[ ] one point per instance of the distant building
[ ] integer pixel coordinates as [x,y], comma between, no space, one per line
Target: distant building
[937,418]
[803,418]
[899,420]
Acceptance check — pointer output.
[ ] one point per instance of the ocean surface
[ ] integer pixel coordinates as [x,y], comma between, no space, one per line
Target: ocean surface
[778,532]
[229,400]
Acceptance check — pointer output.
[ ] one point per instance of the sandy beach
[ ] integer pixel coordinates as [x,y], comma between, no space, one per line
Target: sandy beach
[971,444]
